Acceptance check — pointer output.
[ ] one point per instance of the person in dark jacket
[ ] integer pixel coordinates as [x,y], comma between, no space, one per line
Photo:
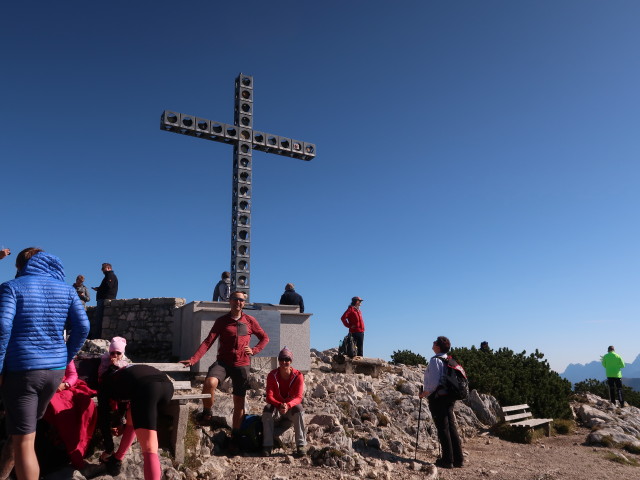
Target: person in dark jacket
[34,309]
[290,297]
[222,289]
[107,290]
[352,319]
[146,389]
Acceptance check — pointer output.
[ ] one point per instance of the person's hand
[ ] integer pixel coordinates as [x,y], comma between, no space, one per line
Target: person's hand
[186,363]
[62,386]
[104,456]
[117,431]
[283,408]
[5,252]
[248,350]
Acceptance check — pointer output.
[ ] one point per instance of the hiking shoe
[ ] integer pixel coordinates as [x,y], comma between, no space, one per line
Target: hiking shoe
[300,451]
[266,452]
[458,464]
[114,467]
[203,419]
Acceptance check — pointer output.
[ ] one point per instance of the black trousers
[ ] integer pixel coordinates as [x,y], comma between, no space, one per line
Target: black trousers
[615,384]
[442,413]
[358,338]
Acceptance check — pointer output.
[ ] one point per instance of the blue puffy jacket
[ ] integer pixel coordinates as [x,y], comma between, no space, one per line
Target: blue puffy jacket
[34,309]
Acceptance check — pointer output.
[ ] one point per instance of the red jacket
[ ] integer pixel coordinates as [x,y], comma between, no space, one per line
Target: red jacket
[281,391]
[352,319]
[234,336]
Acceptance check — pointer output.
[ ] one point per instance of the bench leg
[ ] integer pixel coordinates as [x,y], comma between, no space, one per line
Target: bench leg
[180,416]
[548,429]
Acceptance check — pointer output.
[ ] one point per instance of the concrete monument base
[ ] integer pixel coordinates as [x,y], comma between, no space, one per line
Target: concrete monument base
[284,324]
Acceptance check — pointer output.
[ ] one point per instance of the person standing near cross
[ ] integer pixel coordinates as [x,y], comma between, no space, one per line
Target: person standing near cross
[234,358]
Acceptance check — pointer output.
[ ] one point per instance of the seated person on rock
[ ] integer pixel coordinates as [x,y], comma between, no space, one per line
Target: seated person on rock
[285,388]
[73,414]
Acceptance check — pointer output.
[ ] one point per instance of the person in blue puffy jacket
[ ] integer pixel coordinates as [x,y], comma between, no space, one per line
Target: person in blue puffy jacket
[35,309]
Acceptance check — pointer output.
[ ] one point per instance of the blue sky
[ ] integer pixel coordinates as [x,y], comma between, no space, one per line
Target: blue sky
[477,170]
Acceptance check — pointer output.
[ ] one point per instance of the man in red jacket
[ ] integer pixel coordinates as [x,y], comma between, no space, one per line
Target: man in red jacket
[285,388]
[234,357]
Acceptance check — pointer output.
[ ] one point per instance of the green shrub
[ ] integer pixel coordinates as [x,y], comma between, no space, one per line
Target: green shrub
[407,357]
[516,378]
[563,426]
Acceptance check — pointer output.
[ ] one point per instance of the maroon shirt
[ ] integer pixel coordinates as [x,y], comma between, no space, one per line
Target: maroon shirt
[234,336]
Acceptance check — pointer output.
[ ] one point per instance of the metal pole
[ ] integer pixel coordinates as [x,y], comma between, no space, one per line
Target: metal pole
[415,456]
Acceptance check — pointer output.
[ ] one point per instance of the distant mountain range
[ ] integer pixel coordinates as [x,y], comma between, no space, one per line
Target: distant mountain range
[576,372]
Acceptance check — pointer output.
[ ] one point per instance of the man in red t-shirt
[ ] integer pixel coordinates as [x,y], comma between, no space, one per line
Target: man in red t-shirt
[285,388]
[234,357]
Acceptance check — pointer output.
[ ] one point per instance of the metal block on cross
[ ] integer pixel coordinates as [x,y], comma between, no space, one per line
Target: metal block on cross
[244,140]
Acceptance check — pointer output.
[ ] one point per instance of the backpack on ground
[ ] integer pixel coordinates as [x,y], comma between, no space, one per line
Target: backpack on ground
[347,346]
[251,433]
[453,382]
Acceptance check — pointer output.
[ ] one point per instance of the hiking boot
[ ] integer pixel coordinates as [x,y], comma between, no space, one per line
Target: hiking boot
[203,419]
[266,451]
[458,464]
[301,451]
[114,467]
[442,464]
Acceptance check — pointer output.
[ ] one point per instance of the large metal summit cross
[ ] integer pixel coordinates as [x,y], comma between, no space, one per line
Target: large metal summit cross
[244,140]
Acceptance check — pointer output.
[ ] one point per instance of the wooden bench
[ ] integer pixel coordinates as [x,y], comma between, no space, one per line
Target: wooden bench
[522,413]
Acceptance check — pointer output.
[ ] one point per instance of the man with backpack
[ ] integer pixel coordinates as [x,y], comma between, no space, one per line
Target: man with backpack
[441,403]
[613,364]
[285,388]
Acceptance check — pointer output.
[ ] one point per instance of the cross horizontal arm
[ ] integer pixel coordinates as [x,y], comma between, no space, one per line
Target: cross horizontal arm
[225,133]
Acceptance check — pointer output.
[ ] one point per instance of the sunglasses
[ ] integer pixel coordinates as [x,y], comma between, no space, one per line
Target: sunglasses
[237,299]
[284,359]
[115,354]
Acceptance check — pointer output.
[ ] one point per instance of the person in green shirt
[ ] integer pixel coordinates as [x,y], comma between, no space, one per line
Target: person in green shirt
[613,364]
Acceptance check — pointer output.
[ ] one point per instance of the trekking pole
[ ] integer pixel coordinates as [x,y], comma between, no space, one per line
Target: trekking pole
[415,456]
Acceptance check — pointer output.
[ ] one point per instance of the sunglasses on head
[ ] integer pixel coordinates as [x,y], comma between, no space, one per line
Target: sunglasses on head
[115,354]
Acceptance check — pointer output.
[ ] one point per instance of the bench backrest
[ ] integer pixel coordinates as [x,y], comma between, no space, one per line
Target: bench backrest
[516,412]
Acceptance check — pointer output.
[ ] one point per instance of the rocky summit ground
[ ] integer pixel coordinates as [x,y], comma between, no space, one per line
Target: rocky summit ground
[364,427]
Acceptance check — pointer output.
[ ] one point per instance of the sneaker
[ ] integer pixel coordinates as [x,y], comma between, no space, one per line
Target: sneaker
[300,451]
[266,451]
[114,467]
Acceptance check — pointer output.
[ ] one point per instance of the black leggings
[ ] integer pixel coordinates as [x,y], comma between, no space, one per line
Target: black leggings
[145,402]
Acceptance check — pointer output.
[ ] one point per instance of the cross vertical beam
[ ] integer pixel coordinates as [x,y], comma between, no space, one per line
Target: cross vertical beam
[244,140]
[241,187]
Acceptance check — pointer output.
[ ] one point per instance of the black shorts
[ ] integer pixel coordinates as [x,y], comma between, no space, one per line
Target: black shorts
[239,376]
[146,400]
[26,396]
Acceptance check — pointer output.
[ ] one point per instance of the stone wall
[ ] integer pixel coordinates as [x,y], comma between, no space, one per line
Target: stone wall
[146,323]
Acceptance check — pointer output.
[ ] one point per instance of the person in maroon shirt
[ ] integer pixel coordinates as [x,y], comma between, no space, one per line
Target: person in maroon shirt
[234,357]
[285,389]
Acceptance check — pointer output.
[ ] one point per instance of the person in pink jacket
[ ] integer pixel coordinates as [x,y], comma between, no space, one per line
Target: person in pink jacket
[352,319]
[285,388]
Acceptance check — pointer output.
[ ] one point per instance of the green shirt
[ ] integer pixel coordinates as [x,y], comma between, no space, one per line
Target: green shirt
[613,363]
